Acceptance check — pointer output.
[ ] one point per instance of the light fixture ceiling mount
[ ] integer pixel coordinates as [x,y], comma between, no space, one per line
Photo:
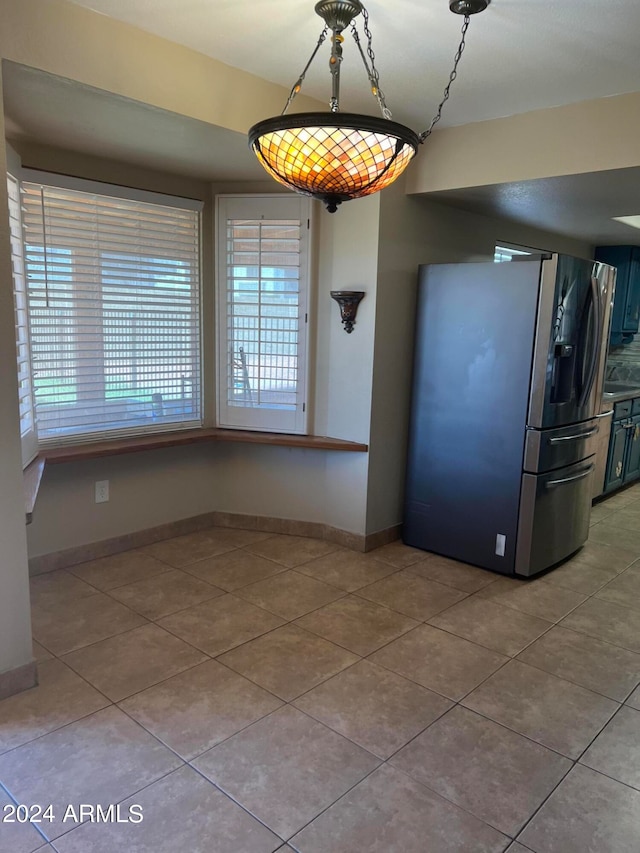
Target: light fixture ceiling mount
[468,7]
[338,14]
[338,156]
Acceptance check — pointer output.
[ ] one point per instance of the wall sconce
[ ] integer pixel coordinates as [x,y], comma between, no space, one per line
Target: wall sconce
[348,300]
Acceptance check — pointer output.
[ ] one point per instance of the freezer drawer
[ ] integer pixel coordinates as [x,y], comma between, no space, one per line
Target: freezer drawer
[554,516]
[548,449]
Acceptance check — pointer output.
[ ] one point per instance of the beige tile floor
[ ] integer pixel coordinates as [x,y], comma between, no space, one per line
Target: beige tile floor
[253,693]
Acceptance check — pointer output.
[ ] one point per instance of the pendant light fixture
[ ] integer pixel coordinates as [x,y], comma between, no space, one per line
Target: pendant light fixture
[335,156]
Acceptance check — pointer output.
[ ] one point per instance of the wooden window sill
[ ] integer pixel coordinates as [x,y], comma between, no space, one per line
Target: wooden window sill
[32,475]
[114,447]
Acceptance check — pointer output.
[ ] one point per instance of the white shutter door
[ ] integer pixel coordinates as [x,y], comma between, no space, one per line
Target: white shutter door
[28,431]
[262,299]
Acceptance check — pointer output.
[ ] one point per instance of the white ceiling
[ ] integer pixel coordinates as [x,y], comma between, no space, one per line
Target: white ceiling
[521,54]
[581,206]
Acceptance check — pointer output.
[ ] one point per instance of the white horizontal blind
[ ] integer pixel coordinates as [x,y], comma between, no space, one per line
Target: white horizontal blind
[262,302]
[28,432]
[114,304]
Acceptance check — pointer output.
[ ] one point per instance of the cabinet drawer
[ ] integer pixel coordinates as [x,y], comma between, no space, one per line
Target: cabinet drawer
[636,406]
[622,410]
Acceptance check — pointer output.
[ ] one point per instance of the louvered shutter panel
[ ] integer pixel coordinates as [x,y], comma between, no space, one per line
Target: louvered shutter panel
[28,433]
[263,275]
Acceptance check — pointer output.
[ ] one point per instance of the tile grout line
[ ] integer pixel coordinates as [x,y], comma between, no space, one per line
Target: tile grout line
[155,619]
[575,763]
[576,683]
[545,800]
[218,654]
[60,655]
[123,798]
[592,741]
[240,805]
[128,796]
[16,802]
[65,725]
[612,778]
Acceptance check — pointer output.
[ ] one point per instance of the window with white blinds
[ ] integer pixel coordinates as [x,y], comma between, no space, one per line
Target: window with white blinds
[28,432]
[114,309]
[262,290]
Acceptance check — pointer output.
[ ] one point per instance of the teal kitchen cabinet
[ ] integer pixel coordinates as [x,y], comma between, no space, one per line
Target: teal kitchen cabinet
[632,459]
[623,461]
[625,318]
[615,462]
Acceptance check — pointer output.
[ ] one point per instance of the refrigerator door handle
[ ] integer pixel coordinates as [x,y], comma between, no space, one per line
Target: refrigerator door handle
[551,484]
[576,436]
[595,352]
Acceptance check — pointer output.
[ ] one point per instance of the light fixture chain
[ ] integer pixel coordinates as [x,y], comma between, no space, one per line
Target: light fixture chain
[298,84]
[452,77]
[372,71]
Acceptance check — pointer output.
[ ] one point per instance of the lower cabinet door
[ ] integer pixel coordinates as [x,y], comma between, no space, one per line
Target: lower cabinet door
[615,462]
[632,461]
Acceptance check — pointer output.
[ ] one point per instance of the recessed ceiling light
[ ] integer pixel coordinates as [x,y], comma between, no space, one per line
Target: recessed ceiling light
[633,221]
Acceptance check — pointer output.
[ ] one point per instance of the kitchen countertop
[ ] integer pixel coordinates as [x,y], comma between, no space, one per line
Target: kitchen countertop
[613,393]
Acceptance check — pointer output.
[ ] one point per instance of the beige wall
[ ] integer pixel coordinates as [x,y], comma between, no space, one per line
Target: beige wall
[347,260]
[15,623]
[73,42]
[145,490]
[47,158]
[590,136]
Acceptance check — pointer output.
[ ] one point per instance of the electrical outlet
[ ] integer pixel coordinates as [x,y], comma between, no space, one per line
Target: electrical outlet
[102,491]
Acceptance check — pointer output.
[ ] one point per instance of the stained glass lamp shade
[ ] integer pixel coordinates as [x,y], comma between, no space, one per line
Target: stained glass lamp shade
[349,157]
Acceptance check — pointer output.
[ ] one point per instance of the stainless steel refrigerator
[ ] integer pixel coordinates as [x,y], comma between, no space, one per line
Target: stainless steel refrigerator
[507,384]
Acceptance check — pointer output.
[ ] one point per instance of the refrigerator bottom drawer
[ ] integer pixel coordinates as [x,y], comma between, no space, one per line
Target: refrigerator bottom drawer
[555,508]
